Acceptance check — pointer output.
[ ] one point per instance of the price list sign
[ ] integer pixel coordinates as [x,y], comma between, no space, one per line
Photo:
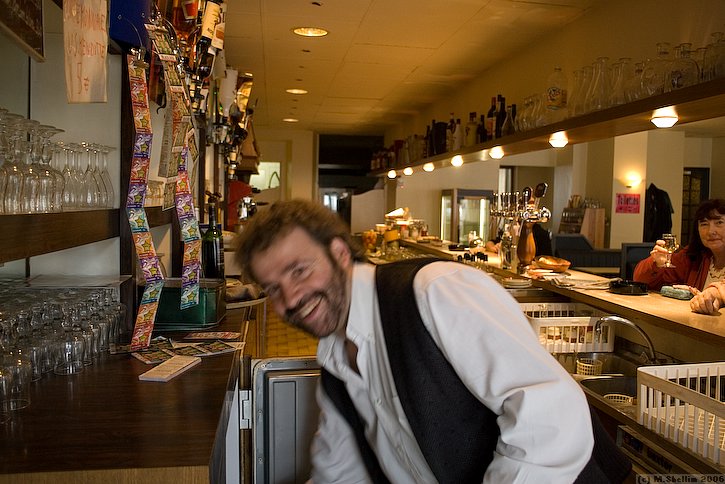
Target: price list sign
[85,39]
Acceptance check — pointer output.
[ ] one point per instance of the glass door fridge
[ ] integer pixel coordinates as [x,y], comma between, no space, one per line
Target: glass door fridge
[464,211]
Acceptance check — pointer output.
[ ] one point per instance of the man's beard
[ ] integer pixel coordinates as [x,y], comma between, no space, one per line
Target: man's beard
[332,300]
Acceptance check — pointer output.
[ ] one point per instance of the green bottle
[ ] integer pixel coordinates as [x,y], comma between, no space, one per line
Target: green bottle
[212,243]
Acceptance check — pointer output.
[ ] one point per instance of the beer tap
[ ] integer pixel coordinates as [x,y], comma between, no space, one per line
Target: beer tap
[532,214]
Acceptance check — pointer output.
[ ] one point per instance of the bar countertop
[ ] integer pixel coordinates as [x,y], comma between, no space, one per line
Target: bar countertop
[105,425]
[665,312]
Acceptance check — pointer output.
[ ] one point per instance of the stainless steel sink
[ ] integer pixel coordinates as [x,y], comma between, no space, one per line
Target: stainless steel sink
[612,363]
[608,385]
[619,392]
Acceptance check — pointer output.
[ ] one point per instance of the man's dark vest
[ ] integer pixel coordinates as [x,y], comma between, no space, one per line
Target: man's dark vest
[455,432]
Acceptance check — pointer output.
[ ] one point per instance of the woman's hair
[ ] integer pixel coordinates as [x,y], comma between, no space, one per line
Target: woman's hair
[708,210]
[267,226]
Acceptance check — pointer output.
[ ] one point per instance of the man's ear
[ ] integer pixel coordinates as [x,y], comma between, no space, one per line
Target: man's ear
[340,252]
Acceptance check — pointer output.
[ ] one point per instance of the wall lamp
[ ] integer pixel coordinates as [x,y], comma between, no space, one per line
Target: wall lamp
[664,117]
[558,139]
[632,180]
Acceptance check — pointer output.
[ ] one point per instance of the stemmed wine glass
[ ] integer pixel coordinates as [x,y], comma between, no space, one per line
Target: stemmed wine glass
[13,166]
[49,182]
[671,246]
[106,177]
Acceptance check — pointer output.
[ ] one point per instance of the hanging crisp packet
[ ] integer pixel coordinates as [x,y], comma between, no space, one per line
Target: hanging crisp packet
[137,219]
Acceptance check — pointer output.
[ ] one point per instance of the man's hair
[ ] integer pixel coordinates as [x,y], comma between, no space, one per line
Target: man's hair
[708,210]
[267,226]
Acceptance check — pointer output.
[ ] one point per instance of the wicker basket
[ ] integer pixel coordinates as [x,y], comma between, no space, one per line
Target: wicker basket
[588,367]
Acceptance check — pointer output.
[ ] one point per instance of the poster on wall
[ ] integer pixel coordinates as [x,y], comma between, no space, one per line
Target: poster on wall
[22,21]
[627,203]
[85,39]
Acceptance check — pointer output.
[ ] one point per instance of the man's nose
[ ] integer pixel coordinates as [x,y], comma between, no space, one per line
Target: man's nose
[291,295]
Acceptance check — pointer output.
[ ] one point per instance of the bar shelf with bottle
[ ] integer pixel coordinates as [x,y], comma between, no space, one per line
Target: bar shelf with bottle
[694,103]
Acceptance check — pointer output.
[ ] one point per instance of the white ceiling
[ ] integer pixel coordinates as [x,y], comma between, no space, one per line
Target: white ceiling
[383,59]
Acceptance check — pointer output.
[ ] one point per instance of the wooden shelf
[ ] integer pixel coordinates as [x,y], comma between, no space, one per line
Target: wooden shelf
[696,103]
[30,235]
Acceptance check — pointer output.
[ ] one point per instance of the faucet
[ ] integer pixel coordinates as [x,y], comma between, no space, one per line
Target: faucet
[652,356]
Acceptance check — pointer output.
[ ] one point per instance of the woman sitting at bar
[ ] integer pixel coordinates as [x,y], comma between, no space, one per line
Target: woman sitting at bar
[710,299]
[700,263]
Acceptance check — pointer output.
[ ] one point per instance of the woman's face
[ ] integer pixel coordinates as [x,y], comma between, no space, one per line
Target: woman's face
[712,232]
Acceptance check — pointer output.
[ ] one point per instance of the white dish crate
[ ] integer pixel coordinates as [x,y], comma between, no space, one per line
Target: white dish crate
[569,327]
[685,404]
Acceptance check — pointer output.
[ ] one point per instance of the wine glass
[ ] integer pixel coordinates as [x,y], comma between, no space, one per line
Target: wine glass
[106,177]
[671,246]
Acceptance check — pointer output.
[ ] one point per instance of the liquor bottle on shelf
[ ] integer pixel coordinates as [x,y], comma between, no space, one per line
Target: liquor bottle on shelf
[556,96]
[457,135]
[431,139]
[491,119]
[449,133]
[481,134]
[471,130]
[212,243]
[500,116]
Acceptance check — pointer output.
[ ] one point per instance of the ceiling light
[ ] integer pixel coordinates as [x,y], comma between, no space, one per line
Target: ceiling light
[664,117]
[558,139]
[310,31]
[496,153]
[296,91]
[457,161]
[429,167]
[407,171]
[290,120]
[392,174]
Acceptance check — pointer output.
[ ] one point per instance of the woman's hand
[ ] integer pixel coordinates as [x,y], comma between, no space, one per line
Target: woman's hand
[659,253]
[707,301]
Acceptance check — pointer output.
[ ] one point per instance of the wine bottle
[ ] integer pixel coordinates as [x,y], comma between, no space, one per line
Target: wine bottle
[500,115]
[491,119]
[204,50]
[212,243]
[481,134]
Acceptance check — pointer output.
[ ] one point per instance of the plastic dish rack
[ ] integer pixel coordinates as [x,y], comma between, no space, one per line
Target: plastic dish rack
[569,327]
[685,404]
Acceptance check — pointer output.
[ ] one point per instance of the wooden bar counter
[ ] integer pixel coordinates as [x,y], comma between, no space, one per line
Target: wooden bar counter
[105,425]
[663,312]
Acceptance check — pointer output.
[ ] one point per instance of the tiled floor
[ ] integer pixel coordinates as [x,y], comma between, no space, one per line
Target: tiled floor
[284,340]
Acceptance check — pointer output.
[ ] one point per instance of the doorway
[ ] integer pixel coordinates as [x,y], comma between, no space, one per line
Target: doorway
[695,190]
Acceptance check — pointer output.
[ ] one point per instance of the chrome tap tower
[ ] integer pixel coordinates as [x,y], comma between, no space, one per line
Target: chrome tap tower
[513,215]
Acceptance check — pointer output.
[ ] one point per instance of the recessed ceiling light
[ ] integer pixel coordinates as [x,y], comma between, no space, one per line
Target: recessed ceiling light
[310,31]
[496,153]
[407,171]
[296,91]
[429,167]
[290,120]
[457,161]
